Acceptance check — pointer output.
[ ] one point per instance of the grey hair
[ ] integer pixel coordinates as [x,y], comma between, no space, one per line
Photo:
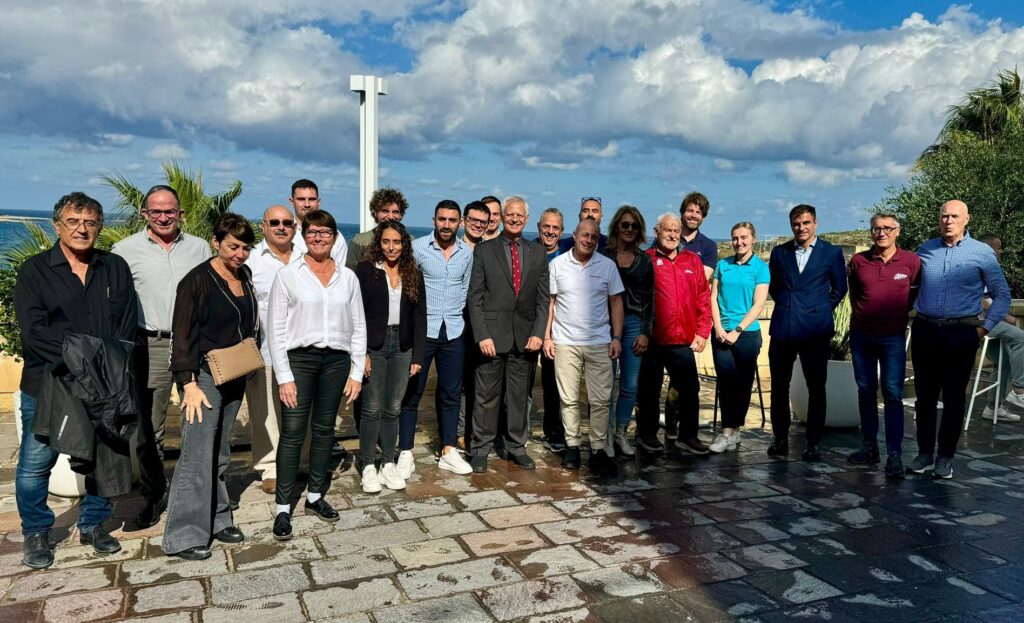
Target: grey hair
[554,211]
[875,217]
[668,216]
[515,199]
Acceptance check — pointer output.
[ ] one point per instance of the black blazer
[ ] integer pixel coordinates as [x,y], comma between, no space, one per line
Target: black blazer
[412,325]
[494,309]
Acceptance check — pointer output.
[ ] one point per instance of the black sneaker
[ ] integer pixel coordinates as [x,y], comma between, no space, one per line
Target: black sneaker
[779,448]
[867,455]
[282,527]
[811,454]
[602,465]
[649,444]
[693,445]
[571,460]
[322,509]
[38,553]
[555,446]
[894,466]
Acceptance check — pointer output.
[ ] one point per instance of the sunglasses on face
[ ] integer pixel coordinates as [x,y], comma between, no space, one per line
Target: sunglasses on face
[274,222]
[628,225]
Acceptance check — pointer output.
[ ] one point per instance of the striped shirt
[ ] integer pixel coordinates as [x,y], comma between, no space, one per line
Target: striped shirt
[447,282]
[954,280]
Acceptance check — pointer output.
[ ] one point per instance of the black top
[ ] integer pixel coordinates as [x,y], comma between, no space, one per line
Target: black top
[208,316]
[412,326]
[638,279]
[50,301]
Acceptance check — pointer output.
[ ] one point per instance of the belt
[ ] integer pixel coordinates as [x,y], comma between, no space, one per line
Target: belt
[972,321]
[161,334]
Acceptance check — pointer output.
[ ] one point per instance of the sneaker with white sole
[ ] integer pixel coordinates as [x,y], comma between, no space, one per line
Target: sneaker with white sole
[371,483]
[390,477]
[453,462]
[943,468]
[1004,415]
[1014,399]
[406,464]
[724,442]
[921,464]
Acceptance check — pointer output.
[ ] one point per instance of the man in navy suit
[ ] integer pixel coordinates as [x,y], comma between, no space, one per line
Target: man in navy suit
[808,283]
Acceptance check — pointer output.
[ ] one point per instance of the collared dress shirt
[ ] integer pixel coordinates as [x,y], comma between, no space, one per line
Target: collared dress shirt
[447,282]
[157,271]
[303,312]
[954,279]
[264,265]
[339,252]
[804,253]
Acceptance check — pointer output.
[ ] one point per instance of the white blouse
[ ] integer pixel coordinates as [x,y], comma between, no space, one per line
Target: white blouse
[394,298]
[303,312]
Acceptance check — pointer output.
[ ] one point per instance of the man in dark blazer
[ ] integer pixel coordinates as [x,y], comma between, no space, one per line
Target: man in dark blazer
[808,282]
[508,310]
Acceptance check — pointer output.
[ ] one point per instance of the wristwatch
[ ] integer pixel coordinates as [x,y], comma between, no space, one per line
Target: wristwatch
[617,337]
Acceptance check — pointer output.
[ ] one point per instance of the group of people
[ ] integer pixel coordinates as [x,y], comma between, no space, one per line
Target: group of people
[363,322]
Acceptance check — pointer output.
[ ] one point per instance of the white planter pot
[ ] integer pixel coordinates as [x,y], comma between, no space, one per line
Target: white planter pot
[840,390]
[64,482]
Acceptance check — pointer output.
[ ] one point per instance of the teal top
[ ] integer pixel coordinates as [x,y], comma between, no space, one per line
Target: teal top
[736,283]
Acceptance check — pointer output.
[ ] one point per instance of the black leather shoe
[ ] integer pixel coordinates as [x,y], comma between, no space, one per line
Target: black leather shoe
[194,553]
[522,460]
[867,455]
[321,509]
[779,447]
[692,445]
[282,527]
[811,454]
[502,452]
[100,540]
[602,465]
[571,460]
[38,551]
[479,463]
[231,534]
[149,516]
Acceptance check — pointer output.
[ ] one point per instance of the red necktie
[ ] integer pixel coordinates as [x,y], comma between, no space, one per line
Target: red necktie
[517,270]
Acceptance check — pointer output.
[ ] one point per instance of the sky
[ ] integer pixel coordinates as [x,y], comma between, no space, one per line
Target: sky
[760,105]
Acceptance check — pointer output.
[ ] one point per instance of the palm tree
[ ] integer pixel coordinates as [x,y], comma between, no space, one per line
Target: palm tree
[984,113]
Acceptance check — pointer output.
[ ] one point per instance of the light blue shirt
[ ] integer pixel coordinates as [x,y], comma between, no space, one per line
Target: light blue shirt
[447,282]
[736,284]
[804,254]
[954,279]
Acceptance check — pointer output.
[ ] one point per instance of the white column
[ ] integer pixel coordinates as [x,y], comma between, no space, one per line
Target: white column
[368,87]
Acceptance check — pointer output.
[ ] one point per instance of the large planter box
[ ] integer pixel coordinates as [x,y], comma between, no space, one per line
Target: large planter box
[841,392]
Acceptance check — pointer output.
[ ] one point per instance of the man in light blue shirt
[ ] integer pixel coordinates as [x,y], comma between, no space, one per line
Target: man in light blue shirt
[955,272]
[446,263]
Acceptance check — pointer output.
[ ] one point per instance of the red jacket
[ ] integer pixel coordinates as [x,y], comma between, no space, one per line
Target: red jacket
[682,298]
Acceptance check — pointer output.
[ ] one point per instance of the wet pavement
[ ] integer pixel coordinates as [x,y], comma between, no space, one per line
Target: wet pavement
[738,536]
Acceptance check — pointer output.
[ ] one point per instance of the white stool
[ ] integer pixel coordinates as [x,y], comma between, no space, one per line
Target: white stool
[990,387]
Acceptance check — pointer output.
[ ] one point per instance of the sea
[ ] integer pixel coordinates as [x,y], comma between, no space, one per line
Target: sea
[12,232]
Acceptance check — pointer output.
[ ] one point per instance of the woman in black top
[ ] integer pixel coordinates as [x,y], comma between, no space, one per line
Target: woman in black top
[215,307]
[625,235]
[396,331]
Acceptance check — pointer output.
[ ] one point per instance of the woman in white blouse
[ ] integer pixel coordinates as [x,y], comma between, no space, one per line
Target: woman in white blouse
[317,333]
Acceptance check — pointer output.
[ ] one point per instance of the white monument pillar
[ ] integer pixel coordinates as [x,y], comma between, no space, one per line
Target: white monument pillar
[368,87]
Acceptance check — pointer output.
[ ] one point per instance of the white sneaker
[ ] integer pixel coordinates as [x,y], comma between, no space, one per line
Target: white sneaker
[390,477]
[1016,400]
[1004,415]
[406,465]
[453,462]
[725,442]
[371,484]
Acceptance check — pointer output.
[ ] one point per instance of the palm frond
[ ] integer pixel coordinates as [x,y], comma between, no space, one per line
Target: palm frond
[112,234]
[30,242]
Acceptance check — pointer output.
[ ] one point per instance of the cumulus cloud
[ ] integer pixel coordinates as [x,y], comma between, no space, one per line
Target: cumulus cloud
[559,85]
[167,151]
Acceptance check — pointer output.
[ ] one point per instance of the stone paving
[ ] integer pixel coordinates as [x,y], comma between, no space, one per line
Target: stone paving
[738,537]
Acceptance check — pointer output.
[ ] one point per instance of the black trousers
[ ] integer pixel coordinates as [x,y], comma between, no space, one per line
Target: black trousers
[681,363]
[813,353]
[320,377]
[510,374]
[152,479]
[554,431]
[943,357]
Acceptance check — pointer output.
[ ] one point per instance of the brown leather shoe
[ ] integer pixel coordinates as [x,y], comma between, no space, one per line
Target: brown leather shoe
[269,486]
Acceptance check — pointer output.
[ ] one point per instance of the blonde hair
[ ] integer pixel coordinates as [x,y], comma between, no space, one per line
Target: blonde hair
[744,225]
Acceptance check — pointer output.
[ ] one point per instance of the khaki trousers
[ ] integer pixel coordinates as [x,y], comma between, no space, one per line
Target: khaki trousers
[574,364]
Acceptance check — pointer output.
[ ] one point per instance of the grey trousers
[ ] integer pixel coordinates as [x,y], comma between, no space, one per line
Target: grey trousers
[198,506]
[159,382]
[1012,340]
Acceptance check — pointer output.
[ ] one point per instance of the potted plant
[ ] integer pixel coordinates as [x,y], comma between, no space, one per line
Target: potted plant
[841,387]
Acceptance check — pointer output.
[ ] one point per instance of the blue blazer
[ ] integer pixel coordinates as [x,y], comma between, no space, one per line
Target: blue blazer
[804,301]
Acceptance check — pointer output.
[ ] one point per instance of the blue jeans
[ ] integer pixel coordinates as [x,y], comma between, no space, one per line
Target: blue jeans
[735,367]
[450,355]
[32,480]
[630,375]
[382,399]
[888,352]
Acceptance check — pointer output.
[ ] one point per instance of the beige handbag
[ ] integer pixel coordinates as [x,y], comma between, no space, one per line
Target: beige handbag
[228,364]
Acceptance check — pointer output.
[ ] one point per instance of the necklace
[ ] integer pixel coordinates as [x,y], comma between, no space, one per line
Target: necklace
[224,272]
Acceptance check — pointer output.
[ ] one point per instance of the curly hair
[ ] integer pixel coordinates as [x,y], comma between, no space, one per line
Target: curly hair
[385,197]
[407,270]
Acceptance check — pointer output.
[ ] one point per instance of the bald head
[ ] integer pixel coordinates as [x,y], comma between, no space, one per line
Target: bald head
[953,219]
[278,227]
[586,237]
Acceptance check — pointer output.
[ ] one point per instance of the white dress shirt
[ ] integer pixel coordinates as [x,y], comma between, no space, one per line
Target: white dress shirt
[303,312]
[394,298]
[804,253]
[339,252]
[264,265]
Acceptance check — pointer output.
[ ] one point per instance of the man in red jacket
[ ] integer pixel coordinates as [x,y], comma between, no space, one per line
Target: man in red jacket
[682,324]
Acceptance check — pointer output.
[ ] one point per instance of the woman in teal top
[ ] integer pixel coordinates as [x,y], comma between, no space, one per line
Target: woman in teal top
[739,289]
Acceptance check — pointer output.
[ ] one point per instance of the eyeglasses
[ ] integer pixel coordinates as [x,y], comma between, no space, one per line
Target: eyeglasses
[479,222]
[629,225]
[318,233]
[274,222]
[586,199]
[883,230]
[74,223]
[168,214]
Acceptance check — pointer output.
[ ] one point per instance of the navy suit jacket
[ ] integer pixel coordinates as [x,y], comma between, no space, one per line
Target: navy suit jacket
[804,301]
